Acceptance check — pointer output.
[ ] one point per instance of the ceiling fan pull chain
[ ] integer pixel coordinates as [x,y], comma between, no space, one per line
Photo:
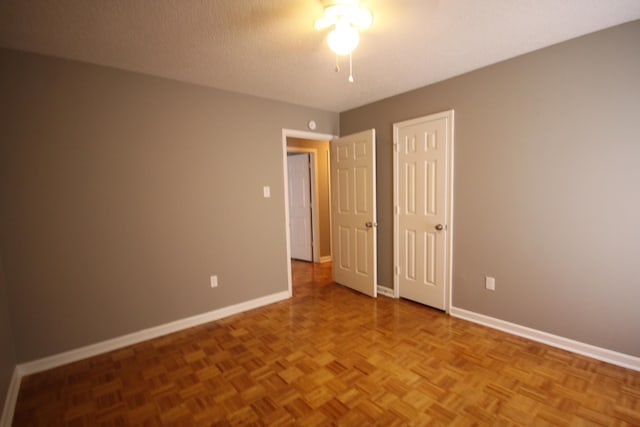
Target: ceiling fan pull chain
[350,69]
[337,69]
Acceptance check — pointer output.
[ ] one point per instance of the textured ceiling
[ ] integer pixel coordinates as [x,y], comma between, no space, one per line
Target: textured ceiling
[270,48]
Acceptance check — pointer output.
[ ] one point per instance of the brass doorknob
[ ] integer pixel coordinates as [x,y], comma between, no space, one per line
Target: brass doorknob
[439,227]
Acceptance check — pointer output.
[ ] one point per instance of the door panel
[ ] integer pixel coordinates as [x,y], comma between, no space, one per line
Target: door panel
[354,211]
[362,245]
[300,207]
[422,219]
[344,255]
[344,192]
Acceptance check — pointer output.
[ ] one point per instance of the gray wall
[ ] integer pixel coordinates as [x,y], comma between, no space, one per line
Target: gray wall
[7,351]
[547,186]
[122,194]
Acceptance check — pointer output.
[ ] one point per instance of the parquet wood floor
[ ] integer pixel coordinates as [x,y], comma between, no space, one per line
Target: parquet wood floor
[330,356]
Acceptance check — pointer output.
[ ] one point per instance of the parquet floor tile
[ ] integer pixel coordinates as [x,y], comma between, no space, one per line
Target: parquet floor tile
[329,356]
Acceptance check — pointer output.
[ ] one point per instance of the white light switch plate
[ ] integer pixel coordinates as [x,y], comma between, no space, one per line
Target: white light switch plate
[266,190]
[490,283]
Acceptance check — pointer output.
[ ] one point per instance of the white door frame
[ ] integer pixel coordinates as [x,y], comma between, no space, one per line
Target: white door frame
[449,215]
[293,133]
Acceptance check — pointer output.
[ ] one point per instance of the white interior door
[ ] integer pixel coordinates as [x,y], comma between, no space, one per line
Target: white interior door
[300,206]
[353,210]
[423,166]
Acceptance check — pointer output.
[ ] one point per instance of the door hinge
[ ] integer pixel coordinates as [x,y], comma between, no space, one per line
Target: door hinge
[396,146]
[397,268]
[397,210]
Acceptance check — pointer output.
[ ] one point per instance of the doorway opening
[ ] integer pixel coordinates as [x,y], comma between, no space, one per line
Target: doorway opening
[316,146]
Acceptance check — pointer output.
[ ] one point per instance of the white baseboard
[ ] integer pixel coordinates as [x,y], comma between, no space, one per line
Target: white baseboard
[324,259]
[123,341]
[11,399]
[383,290]
[599,353]
[145,334]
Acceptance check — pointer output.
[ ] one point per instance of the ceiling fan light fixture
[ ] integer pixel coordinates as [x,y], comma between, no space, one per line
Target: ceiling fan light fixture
[359,16]
[347,17]
[343,39]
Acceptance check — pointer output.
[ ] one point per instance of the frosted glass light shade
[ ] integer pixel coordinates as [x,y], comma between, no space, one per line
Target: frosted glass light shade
[343,39]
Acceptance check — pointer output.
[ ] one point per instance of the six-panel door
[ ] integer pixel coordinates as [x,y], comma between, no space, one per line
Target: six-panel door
[422,203]
[354,211]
